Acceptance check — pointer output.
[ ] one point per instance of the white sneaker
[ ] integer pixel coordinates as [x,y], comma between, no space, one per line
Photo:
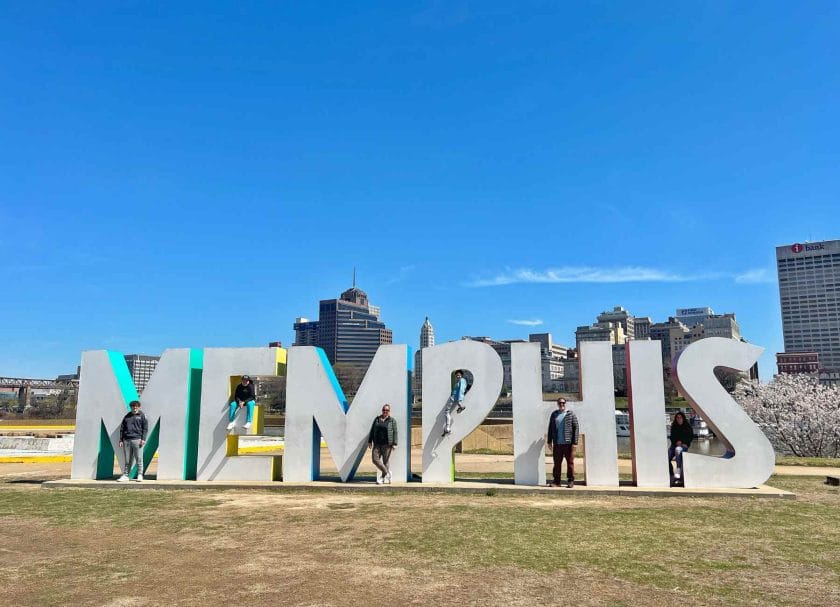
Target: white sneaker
[139,478]
[247,425]
[231,426]
[379,479]
[388,478]
[677,474]
[123,479]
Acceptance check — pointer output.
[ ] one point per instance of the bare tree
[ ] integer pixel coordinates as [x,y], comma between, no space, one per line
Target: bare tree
[798,414]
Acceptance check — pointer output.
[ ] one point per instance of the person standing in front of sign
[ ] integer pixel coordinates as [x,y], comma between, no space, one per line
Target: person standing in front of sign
[382,440]
[244,396]
[456,400]
[681,436]
[133,431]
[562,438]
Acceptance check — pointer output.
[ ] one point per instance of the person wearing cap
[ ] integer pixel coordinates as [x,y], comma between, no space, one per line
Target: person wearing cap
[562,438]
[382,440]
[133,431]
[456,400]
[244,396]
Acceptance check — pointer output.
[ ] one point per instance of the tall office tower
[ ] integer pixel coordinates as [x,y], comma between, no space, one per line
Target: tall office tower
[809,290]
[348,329]
[427,340]
[141,368]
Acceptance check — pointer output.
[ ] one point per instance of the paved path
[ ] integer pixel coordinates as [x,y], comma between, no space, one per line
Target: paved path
[464,463]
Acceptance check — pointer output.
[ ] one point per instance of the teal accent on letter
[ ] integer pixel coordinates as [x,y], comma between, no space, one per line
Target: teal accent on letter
[339,393]
[151,447]
[315,469]
[126,384]
[105,461]
[409,376]
[193,413]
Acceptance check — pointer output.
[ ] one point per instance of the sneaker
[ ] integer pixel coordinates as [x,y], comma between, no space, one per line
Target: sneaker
[247,425]
[677,474]
[123,479]
[139,478]
[231,426]
[460,408]
[379,480]
[446,432]
[570,484]
[387,478]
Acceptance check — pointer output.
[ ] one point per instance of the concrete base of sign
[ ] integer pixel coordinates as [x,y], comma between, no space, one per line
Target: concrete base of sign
[478,486]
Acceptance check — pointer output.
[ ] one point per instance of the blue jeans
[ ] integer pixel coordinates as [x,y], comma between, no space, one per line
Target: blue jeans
[234,407]
[672,454]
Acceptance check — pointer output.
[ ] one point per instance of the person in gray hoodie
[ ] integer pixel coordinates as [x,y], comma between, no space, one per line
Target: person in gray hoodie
[133,431]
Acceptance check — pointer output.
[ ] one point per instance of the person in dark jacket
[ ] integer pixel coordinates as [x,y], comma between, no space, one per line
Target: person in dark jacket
[133,431]
[681,436]
[562,437]
[382,440]
[244,396]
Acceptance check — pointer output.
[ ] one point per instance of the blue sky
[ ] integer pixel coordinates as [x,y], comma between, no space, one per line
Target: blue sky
[178,175]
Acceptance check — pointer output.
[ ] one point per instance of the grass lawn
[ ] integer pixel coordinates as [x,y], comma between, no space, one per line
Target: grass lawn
[111,547]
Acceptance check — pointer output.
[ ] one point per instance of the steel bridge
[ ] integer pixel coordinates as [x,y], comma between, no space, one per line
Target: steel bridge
[25,386]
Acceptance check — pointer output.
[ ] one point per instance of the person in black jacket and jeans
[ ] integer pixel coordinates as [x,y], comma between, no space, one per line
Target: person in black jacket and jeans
[681,436]
[133,431]
[244,396]
[562,438]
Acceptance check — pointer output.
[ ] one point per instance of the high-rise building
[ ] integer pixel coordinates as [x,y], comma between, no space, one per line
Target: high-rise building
[141,368]
[427,340]
[809,291]
[620,316]
[348,329]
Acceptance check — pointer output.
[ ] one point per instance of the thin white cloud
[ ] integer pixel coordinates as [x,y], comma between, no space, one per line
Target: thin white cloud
[757,276]
[575,274]
[527,323]
[401,275]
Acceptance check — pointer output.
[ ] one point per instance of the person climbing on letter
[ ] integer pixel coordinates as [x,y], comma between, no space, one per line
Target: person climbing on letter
[244,396]
[456,400]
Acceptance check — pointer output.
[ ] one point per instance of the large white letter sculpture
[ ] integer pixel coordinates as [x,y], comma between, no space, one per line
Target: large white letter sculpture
[595,413]
[649,444]
[106,388]
[750,458]
[315,405]
[530,414]
[438,364]
[222,368]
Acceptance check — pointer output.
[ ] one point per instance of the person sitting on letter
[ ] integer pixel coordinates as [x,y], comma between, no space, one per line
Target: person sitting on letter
[681,436]
[382,440]
[243,397]
[562,438]
[456,400]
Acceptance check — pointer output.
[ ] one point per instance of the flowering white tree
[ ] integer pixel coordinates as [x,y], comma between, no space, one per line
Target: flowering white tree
[798,414]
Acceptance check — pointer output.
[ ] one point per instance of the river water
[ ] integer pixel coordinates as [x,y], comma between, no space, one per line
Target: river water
[710,446]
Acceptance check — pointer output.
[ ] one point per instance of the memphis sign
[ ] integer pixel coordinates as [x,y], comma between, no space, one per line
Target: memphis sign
[186,402]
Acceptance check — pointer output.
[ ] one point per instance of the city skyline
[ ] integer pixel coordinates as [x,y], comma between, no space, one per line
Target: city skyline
[160,193]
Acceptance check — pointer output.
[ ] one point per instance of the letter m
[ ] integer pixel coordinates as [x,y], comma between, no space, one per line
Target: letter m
[316,407]
[106,389]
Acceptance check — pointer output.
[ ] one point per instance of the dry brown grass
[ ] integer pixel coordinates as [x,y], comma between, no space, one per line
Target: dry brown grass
[127,548]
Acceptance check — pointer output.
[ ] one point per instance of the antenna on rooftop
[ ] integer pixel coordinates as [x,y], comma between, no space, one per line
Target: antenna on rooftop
[354,277]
